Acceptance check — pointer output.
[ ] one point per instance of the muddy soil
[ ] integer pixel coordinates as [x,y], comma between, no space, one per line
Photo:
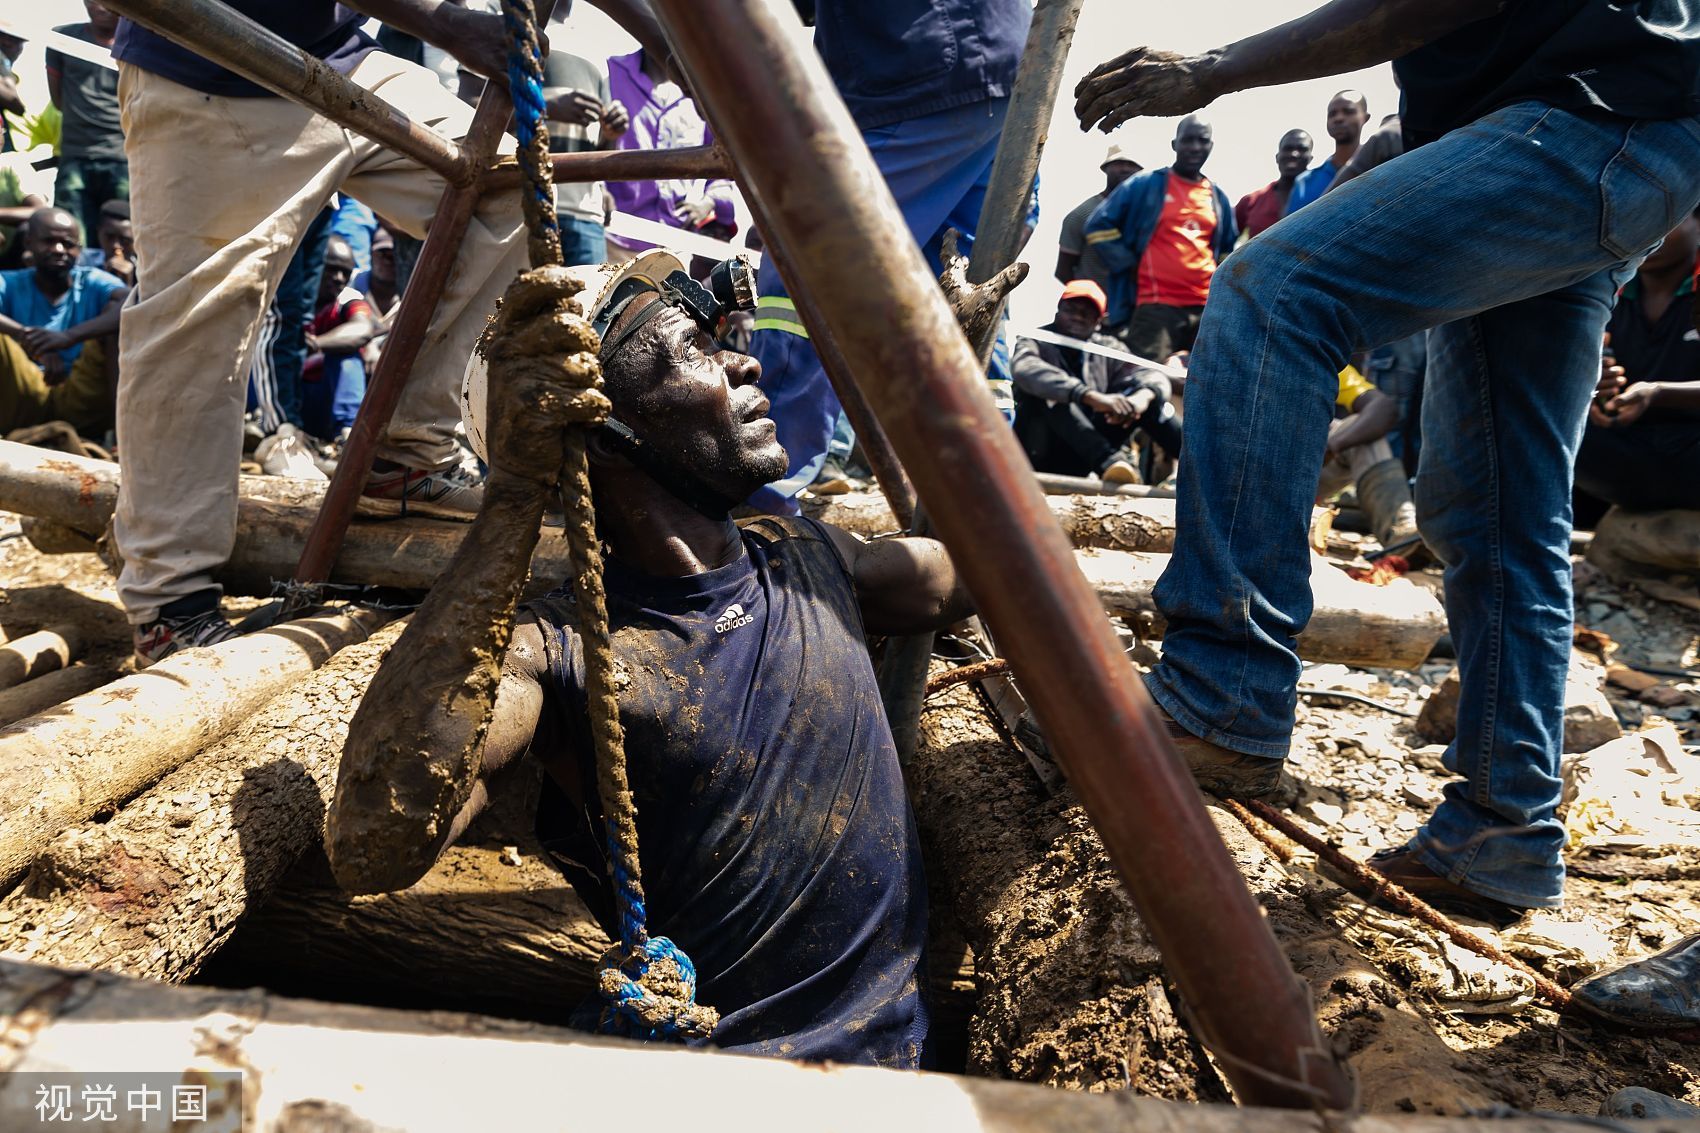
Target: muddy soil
[1364,779]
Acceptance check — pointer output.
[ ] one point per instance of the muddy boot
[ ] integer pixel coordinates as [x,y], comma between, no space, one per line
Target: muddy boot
[1385,496]
[1648,548]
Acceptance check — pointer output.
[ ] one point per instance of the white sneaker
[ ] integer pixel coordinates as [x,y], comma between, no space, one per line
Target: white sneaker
[284,453]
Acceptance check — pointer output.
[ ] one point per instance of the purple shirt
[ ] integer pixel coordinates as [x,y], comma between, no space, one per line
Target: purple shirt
[661,118]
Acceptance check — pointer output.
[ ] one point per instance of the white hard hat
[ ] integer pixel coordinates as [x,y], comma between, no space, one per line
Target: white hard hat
[600,282]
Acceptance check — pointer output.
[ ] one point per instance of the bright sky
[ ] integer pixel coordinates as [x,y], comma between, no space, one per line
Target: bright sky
[1248,125]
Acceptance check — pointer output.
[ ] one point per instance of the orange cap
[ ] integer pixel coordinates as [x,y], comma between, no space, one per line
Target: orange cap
[1086,289]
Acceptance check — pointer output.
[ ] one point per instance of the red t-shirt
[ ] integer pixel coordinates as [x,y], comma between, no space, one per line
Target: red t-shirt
[1260,208]
[348,305]
[1180,259]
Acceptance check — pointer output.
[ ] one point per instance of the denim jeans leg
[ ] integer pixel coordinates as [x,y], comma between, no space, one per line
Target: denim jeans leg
[1420,242]
[1508,395]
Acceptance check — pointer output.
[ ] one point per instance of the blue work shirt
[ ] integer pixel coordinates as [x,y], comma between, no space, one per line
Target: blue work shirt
[322,28]
[23,301]
[775,835]
[1310,186]
[893,60]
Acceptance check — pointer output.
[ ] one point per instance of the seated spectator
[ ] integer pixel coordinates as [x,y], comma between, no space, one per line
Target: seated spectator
[1075,411]
[1348,114]
[115,239]
[660,116]
[1641,449]
[59,322]
[334,377]
[1076,259]
[92,166]
[1358,454]
[1261,208]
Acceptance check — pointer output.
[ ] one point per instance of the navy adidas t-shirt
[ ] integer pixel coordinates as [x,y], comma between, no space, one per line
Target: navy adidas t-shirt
[777,843]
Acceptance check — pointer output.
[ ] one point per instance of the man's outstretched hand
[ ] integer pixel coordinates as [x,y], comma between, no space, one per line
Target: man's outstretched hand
[1144,83]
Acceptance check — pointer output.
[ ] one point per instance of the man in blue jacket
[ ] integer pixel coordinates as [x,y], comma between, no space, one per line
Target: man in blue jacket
[1162,234]
[928,83]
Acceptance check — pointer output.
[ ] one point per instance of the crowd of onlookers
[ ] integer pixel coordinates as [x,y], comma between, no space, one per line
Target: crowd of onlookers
[1136,259]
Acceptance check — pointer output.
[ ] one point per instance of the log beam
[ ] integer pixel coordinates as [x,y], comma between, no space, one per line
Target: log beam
[154,890]
[102,747]
[340,1068]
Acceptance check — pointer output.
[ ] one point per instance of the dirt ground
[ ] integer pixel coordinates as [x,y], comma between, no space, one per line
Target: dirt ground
[1366,780]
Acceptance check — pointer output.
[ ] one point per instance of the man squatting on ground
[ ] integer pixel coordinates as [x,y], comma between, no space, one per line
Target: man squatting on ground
[1552,144]
[778,848]
[211,259]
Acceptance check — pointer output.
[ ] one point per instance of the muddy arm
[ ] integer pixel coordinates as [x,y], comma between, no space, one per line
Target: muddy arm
[1343,36]
[414,748]
[976,306]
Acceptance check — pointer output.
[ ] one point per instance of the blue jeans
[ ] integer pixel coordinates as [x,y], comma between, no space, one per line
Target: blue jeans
[937,168]
[1510,238]
[330,403]
[583,241]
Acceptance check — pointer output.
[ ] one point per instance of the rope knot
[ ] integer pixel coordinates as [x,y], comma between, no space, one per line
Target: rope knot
[650,993]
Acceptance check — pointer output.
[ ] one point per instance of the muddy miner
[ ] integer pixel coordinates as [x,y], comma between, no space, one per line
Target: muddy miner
[690,693]
[776,836]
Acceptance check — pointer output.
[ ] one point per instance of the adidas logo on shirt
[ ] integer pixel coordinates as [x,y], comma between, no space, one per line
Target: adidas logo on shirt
[731,618]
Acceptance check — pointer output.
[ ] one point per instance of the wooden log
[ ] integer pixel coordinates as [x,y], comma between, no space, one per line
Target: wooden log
[336,1068]
[272,519]
[104,746]
[43,651]
[1054,485]
[1117,523]
[1071,986]
[487,929]
[45,692]
[154,890]
[1353,623]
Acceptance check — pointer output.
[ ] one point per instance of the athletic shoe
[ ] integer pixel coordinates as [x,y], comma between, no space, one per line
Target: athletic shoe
[832,481]
[453,493]
[1120,469]
[284,453]
[165,635]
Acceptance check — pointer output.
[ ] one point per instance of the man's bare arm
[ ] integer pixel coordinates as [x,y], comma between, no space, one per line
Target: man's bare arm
[519,704]
[10,99]
[478,39]
[1343,36]
[905,585]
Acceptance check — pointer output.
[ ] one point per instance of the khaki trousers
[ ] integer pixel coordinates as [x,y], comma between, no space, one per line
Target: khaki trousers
[84,398]
[221,191]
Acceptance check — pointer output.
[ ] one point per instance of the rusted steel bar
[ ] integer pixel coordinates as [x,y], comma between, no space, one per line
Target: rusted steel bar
[824,200]
[1031,100]
[876,446]
[621,165]
[401,348]
[232,40]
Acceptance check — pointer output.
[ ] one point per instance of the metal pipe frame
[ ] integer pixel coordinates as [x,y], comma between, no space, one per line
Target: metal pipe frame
[232,40]
[826,203]
[401,348]
[622,165]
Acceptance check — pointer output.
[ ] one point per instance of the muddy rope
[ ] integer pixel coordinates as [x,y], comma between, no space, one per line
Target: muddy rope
[647,983]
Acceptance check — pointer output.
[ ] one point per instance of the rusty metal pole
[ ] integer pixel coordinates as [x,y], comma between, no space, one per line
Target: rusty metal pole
[621,165]
[824,200]
[238,43]
[997,241]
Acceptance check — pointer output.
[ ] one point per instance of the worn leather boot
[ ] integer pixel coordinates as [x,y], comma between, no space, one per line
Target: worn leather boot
[1385,497]
[1660,993]
[1223,773]
[1402,868]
